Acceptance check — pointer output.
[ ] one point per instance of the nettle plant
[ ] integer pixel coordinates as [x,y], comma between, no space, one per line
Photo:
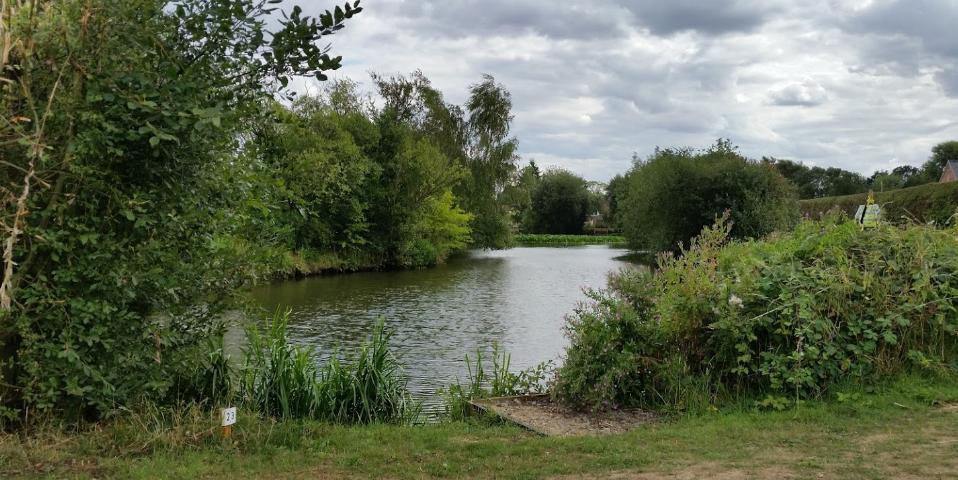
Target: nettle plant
[121,118]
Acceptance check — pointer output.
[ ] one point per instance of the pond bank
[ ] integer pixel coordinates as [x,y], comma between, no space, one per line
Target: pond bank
[860,437]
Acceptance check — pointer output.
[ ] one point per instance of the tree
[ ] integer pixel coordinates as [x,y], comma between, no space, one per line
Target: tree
[475,137]
[517,195]
[882,180]
[560,203]
[491,160]
[616,192]
[941,154]
[677,192]
[126,113]
[814,182]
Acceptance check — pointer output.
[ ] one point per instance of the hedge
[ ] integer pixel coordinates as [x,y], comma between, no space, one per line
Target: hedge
[933,202]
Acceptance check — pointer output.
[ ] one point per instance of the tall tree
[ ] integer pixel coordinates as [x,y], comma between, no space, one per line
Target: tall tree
[517,196]
[491,159]
[560,203]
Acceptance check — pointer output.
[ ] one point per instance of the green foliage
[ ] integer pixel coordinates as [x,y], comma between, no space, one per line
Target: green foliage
[281,380]
[814,182]
[818,182]
[475,140]
[310,179]
[547,239]
[491,159]
[559,204]
[615,197]
[339,178]
[497,381]
[127,114]
[674,194]
[440,228]
[149,173]
[935,202]
[790,316]
[517,195]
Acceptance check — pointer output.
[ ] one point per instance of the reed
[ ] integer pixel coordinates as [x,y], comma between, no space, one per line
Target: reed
[282,380]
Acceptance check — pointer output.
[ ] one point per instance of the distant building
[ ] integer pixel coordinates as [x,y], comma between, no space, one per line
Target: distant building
[951,172]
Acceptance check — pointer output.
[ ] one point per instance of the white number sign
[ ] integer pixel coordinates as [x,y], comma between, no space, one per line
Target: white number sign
[229,416]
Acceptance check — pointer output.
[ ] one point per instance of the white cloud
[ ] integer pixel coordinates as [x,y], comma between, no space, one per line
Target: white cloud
[807,93]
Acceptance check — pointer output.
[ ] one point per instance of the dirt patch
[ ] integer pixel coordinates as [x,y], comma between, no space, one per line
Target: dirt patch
[708,470]
[540,414]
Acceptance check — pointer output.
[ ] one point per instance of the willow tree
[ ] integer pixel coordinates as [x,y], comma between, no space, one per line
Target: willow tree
[491,159]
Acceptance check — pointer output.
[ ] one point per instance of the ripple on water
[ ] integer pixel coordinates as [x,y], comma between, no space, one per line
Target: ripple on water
[517,297]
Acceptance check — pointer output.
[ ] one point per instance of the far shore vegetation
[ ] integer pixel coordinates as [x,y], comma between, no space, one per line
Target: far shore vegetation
[157,164]
[552,239]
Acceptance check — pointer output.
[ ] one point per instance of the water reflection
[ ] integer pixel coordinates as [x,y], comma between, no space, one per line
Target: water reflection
[516,297]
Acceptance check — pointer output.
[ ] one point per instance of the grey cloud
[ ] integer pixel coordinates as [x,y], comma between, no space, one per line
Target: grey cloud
[908,36]
[948,79]
[713,17]
[931,21]
[559,20]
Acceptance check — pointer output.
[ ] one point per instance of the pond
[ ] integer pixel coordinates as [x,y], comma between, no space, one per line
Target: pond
[517,297]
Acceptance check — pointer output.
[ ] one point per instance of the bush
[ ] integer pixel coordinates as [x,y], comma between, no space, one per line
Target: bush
[791,315]
[934,202]
[676,193]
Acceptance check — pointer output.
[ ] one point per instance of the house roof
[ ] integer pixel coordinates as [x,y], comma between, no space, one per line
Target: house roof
[950,166]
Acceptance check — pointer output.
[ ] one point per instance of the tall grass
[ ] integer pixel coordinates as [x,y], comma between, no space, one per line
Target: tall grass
[282,380]
[372,389]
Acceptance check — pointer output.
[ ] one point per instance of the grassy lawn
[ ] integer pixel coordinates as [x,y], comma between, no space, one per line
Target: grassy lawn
[907,430]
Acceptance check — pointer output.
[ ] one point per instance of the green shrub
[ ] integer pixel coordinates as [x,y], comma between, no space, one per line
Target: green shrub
[934,202]
[675,193]
[790,315]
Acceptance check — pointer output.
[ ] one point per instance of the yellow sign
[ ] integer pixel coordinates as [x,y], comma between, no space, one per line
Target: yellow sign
[869,214]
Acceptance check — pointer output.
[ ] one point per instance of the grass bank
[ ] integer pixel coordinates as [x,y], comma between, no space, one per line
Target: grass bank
[538,239]
[934,202]
[903,429]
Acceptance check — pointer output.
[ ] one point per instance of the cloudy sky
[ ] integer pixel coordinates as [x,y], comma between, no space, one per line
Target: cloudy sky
[859,84]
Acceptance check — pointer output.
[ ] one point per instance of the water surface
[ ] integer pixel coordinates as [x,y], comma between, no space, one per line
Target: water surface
[517,297]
